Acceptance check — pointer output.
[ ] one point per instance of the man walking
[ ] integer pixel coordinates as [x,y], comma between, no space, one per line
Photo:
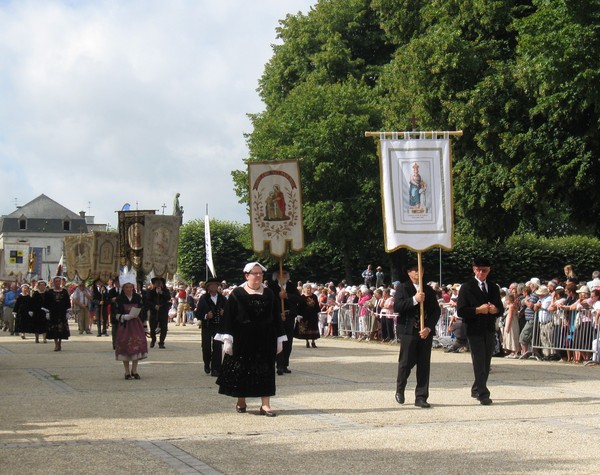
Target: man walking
[284,289]
[209,311]
[159,303]
[479,305]
[415,344]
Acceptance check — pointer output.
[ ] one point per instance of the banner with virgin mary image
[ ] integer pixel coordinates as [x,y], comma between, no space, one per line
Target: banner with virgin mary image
[276,207]
[416,186]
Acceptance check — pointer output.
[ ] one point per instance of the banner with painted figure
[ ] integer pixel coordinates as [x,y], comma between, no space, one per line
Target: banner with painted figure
[79,254]
[16,259]
[160,244]
[276,206]
[416,185]
[36,258]
[106,255]
[131,236]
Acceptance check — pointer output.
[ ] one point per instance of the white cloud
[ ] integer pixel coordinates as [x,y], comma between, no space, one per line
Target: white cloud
[107,102]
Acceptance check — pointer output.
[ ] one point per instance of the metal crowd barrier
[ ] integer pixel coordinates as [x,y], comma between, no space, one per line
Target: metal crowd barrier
[560,331]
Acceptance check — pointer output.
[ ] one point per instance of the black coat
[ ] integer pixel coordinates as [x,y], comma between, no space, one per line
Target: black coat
[205,305]
[408,321]
[470,296]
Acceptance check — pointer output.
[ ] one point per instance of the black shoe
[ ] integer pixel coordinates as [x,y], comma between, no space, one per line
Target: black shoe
[206,369]
[280,372]
[128,376]
[152,343]
[161,346]
[240,409]
[400,398]
[313,344]
[99,335]
[215,373]
[485,401]
[286,370]
[266,413]
[474,394]
[135,376]
[422,403]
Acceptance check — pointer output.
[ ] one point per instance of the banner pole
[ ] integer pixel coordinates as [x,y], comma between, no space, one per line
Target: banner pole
[281,287]
[422,304]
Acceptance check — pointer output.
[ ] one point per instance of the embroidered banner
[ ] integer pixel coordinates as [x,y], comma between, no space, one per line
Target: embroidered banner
[106,255]
[276,206]
[79,255]
[36,258]
[416,187]
[131,237]
[160,244]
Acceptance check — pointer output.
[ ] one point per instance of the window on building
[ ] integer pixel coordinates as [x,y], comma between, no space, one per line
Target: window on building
[66,225]
[22,224]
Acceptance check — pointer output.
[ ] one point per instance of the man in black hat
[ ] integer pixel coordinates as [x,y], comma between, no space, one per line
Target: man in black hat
[100,301]
[479,304]
[209,311]
[288,292]
[159,303]
[415,344]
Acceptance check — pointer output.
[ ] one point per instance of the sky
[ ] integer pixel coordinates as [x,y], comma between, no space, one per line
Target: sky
[107,102]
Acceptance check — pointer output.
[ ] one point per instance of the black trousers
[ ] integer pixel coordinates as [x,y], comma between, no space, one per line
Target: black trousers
[212,350]
[414,351]
[283,358]
[482,349]
[161,321]
[102,319]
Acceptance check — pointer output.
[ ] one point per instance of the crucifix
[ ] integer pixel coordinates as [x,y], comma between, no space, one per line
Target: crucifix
[163,208]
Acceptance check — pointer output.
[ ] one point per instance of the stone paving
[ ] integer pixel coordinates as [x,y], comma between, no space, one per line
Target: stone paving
[72,412]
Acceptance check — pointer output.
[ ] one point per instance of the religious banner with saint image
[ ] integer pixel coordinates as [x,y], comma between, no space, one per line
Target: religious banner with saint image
[131,236]
[276,206]
[79,255]
[161,239]
[416,187]
[106,255]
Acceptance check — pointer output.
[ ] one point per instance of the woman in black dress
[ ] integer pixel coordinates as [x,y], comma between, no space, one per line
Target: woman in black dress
[57,302]
[252,335]
[24,312]
[39,316]
[307,326]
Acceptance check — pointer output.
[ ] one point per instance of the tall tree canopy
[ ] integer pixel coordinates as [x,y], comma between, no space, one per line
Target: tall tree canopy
[520,78]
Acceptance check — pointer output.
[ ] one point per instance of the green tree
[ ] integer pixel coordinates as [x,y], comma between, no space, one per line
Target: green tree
[228,250]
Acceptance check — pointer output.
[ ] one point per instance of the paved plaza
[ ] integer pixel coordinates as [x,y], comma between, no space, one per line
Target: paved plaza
[72,412]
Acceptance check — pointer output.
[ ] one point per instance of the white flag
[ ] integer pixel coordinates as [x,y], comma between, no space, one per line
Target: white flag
[209,259]
[416,186]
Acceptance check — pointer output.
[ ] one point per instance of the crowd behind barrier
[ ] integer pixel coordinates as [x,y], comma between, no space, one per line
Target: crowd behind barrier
[557,321]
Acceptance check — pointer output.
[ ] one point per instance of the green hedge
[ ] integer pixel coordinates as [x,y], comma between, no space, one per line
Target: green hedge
[517,259]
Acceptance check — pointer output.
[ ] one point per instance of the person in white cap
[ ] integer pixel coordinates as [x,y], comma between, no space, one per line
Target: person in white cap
[252,336]
[57,302]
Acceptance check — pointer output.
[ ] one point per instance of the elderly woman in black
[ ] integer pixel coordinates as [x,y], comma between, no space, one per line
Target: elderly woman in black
[252,335]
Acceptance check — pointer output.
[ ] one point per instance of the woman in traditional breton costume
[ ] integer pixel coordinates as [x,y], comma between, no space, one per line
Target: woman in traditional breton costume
[131,344]
[252,335]
[23,311]
[307,324]
[40,323]
[56,302]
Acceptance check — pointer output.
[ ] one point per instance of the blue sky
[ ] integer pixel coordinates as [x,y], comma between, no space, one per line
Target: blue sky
[109,101]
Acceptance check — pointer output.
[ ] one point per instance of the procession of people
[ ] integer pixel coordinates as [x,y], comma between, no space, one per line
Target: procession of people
[247,330]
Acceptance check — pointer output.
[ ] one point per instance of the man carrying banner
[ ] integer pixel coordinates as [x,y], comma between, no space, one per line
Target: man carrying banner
[287,293]
[415,344]
[479,305]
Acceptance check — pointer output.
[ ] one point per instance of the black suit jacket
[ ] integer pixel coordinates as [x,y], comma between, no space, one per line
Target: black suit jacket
[470,296]
[409,313]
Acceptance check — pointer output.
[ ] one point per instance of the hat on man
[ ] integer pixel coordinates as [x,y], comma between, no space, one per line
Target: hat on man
[543,290]
[212,280]
[155,280]
[410,266]
[480,261]
[535,280]
[584,289]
